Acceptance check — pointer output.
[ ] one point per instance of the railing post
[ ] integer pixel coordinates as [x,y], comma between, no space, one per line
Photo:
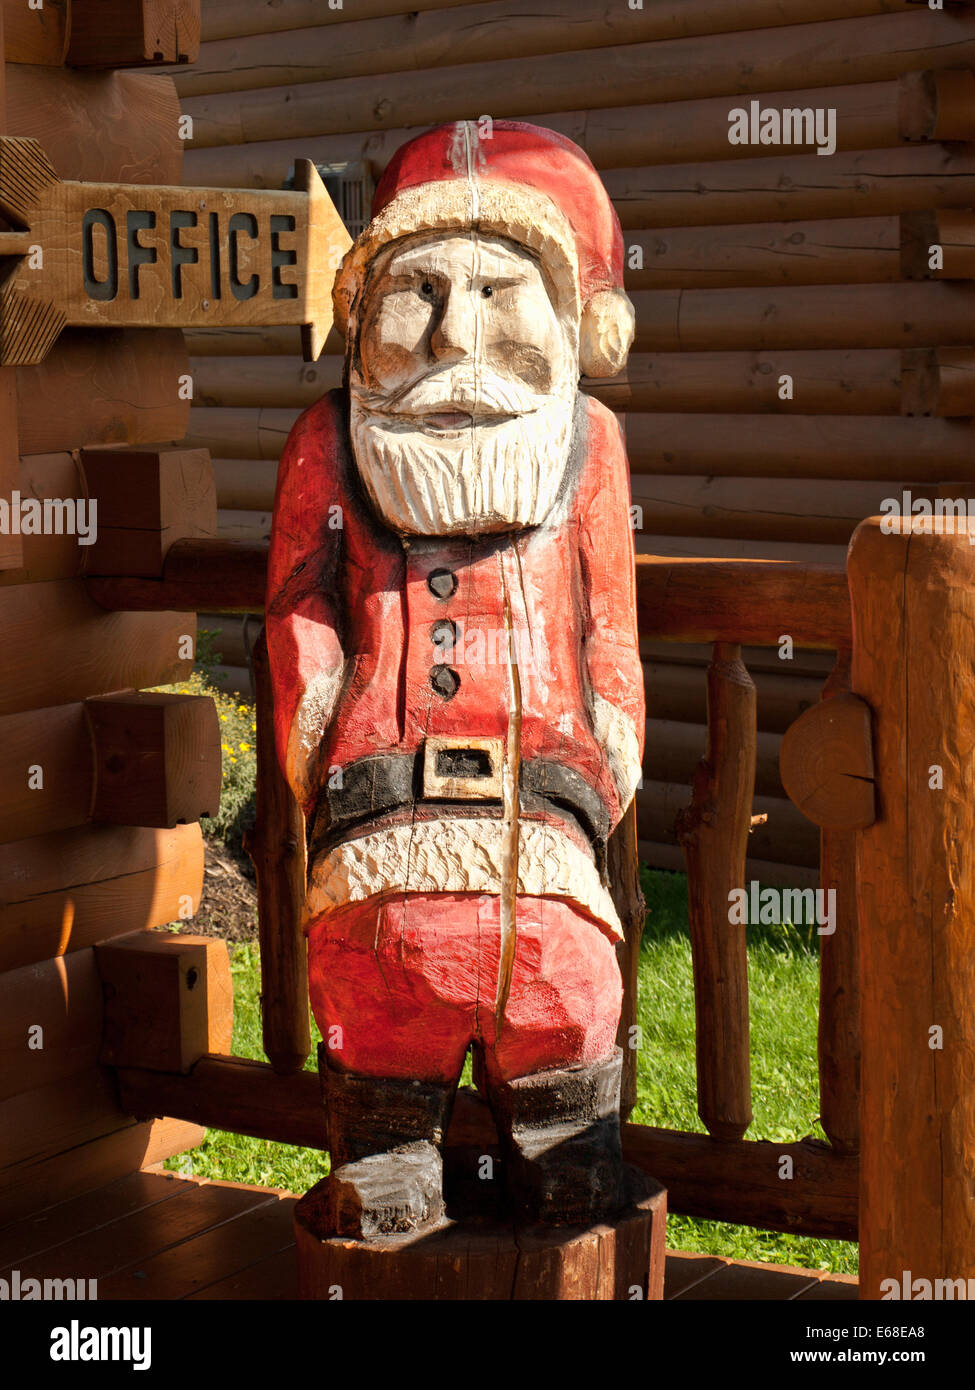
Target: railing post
[624,884]
[277,847]
[713,832]
[913,598]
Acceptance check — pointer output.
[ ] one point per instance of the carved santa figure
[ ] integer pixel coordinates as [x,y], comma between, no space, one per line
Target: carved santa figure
[457,683]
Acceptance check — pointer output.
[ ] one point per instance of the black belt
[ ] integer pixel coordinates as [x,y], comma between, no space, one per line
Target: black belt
[450,773]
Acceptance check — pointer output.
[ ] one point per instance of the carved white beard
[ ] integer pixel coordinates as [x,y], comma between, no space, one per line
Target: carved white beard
[492,477]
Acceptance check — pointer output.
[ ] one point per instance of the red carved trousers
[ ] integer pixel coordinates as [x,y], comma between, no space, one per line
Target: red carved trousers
[401,986]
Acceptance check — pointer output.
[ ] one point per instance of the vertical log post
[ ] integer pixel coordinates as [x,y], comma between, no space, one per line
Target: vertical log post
[713,832]
[913,660]
[624,883]
[839,978]
[277,847]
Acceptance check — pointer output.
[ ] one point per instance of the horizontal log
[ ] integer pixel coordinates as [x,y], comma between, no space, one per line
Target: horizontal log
[670,859]
[84,123]
[939,381]
[32,1186]
[419,40]
[869,115]
[673,750]
[832,53]
[246,1097]
[227,19]
[63,1115]
[770,659]
[47,769]
[938,245]
[240,433]
[785,835]
[820,316]
[50,1022]
[759,508]
[133,33]
[868,183]
[244,525]
[62,892]
[36,35]
[113,386]
[809,446]
[48,478]
[69,647]
[710,319]
[743,601]
[741,1182]
[245,484]
[227,575]
[831,382]
[676,691]
[229,638]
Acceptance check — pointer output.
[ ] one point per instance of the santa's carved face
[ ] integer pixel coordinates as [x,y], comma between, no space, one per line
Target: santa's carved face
[462,386]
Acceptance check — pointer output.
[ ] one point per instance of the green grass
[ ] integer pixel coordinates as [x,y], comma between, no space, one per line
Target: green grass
[784,988]
[783,978]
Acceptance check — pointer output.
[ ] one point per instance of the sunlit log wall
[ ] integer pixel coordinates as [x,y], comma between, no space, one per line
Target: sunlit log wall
[748,264]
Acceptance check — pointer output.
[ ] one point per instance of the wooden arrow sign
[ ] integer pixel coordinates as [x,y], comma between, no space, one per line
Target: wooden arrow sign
[133,255]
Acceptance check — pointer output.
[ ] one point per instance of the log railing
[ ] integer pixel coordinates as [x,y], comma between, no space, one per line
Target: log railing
[897,849]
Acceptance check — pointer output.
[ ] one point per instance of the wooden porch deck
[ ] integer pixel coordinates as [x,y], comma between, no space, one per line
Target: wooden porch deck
[157,1235]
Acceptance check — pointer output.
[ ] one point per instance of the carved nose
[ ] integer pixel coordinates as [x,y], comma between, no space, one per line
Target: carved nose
[456,332]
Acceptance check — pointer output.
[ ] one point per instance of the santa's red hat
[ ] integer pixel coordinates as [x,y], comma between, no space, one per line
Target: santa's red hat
[514,180]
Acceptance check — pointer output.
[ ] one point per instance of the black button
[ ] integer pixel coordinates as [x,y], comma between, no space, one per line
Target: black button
[443,635]
[442,583]
[445,681]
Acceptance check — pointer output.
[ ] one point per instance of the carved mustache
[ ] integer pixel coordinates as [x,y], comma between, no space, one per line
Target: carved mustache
[456,390]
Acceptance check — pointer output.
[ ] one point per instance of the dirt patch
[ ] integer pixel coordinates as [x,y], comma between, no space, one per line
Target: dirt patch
[228,908]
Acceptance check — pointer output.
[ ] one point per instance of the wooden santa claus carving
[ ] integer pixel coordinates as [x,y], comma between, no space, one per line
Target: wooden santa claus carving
[457,683]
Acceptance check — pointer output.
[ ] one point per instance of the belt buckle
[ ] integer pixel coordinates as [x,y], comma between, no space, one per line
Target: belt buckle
[449,775]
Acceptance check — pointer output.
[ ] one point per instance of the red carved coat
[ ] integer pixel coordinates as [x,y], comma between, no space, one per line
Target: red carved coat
[349,598]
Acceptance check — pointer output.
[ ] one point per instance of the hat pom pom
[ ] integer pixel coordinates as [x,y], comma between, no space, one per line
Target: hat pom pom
[606,333]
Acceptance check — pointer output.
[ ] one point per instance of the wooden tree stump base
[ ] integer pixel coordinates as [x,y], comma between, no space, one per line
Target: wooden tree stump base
[464,1258]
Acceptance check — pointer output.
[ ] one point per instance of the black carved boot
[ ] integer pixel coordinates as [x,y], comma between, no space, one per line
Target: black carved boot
[384,1138]
[561,1135]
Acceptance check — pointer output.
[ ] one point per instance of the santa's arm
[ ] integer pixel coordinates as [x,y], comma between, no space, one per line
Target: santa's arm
[612,646]
[304,648]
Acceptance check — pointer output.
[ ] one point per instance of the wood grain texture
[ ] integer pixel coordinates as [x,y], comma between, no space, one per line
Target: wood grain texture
[277,847]
[224,574]
[71,648]
[46,770]
[147,500]
[62,998]
[784,58]
[133,33]
[620,1258]
[168,1000]
[114,386]
[62,892]
[36,35]
[838,1045]
[914,603]
[157,758]
[827,766]
[83,121]
[233,18]
[37,1186]
[713,831]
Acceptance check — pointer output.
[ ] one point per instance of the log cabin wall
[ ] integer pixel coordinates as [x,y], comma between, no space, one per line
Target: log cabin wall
[772,397]
[67,883]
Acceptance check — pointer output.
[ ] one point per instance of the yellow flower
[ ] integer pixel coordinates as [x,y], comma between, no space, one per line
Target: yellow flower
[245,747]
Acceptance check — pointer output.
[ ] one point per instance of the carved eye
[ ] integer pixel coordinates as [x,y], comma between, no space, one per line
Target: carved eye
[426,288]
[487,291]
